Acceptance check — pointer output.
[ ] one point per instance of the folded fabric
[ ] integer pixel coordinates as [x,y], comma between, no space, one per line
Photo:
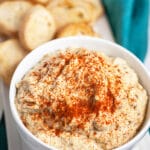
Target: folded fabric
[129,22]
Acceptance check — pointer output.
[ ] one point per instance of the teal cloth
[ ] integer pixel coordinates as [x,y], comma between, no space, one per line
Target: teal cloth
[129,23]
[3,139]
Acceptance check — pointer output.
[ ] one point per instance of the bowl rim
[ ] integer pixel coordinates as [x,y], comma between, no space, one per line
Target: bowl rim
[15,114]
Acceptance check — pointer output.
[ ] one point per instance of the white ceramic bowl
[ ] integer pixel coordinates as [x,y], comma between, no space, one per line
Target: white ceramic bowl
[108,48]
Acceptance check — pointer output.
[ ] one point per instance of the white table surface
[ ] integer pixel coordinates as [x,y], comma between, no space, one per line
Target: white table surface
[14,142]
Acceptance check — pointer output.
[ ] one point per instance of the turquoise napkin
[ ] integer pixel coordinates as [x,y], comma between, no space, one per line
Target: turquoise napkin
[129,23]
[3,140]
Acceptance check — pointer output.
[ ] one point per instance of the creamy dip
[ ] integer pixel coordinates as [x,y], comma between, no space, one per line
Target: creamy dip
[81,99]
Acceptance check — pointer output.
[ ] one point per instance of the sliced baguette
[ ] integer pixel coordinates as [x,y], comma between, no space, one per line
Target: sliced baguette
[11,14]
[11,54]
[37,27]
[69,11]
[75,29]
[73,11]
[97,9]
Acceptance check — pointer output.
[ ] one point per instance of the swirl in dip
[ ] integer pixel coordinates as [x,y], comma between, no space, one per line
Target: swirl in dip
[81,99]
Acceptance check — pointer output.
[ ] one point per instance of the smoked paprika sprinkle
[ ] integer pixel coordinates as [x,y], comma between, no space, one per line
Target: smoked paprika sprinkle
[78,87]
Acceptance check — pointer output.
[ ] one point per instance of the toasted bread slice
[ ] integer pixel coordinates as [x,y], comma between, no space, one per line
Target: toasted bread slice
[41,1]
[11,14]
[97,9]
[11,54]
[76,29]
[37,27]
[70,11]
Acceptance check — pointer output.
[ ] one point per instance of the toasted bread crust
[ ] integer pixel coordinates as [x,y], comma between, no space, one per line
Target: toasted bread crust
[41,1]
[76,29]
[11,14]
[3,37]
[36,30]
